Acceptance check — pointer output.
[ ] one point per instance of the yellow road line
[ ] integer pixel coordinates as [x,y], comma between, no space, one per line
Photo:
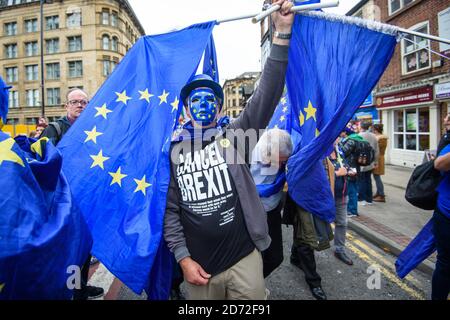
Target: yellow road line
[387,273]
[386,262]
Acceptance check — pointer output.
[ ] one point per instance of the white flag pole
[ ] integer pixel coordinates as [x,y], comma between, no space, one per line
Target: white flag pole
[305,7]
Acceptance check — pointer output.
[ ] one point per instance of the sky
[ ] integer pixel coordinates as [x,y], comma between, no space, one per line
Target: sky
[237,43]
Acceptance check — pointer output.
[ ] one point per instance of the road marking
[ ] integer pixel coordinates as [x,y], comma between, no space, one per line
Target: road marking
[386,262]
[387,273]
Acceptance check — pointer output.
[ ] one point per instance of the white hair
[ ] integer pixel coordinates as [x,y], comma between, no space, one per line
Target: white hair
[273,143]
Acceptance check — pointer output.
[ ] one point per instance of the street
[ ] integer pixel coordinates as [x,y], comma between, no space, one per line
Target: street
[395,222]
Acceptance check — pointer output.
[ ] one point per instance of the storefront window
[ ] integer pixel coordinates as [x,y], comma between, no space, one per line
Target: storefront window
[412,129]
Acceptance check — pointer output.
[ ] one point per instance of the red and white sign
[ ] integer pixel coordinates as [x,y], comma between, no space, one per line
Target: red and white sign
[420,95]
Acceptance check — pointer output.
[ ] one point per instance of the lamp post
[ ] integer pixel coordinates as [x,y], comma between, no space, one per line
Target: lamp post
[42,59]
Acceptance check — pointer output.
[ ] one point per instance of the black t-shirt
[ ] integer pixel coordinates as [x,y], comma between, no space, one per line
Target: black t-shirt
[211,214]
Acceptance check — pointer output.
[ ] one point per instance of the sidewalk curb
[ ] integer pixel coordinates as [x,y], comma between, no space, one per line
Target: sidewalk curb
[387,244]
[394,185]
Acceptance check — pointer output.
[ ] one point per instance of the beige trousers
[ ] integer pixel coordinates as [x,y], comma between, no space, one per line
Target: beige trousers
[243,281]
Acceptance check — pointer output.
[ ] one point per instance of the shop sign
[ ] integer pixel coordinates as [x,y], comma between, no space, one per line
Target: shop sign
[420,95]
[368,102]
[442,90]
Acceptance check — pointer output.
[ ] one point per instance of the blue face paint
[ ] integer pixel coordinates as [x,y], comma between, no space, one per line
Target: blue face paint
[203,105]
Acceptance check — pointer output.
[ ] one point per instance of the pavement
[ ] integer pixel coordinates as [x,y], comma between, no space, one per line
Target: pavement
[393,224]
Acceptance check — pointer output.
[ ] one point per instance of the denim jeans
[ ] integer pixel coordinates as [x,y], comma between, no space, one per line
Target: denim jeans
[365,186]
[340,223]
[352,205]
[440,287]
[379,184]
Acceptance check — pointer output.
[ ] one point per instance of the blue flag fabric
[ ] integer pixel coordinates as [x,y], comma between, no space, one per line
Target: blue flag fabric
[420,248]
[117,156]
[44,239]
[3,101]
[334,63]
[210,66]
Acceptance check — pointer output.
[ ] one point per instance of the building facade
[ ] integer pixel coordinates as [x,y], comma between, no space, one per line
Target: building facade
[236,93]
[412,97]
[83,42]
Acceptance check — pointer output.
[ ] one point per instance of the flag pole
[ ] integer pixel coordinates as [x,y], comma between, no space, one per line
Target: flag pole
[265,13]
[424,35]
[314,6]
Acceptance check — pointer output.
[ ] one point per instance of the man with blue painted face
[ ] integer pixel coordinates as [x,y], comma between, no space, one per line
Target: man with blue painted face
[215,223]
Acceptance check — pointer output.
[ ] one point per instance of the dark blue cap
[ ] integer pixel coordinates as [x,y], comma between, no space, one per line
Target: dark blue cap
[201,80]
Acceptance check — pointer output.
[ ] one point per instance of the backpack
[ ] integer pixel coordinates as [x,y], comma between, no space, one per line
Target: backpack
[58,129]
[365,154]
[421,189]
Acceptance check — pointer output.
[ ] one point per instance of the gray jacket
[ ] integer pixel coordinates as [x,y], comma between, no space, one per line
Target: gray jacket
[256,115]
[372,139]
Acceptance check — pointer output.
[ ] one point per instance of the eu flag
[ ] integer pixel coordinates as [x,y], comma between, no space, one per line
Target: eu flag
[334,63]
[3,101]
[116,156]
[44,239]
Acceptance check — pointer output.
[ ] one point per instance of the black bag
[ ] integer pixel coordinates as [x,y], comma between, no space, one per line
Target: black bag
[421,190]
[365,154]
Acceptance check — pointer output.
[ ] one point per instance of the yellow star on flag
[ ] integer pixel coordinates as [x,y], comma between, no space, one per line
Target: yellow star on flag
[174,104]
[117,177]
[282,118]
[145,95]
[163,97]
[92,135]
[99,160]
[283,100]
[103,111]
[310,111]
[2,285]
[37,146]
[122,97]
[6,153]
[142,185]
[302,119]
[317,132]
[285,109]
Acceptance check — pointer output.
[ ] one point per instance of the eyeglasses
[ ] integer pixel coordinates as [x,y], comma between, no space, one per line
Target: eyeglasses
[76,102]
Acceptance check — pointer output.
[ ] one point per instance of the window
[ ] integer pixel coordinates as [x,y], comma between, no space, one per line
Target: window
[12,74]
[31,25]
[32,97]
[32,121]
[52,45]
[396,5]
[12,121]
[114,19]
[13,99]
[52,23]
[11,28]
[115,44]
[105,42]
[31,49]
[108,67]
[11,51]
[31,72]
[73,19]
[75,43]
[105,17]
[412,129]
[53,71]
[75,69]
[53,97]
[416,51]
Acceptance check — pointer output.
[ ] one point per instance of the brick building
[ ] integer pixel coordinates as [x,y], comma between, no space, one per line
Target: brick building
[83,41]
[413,96]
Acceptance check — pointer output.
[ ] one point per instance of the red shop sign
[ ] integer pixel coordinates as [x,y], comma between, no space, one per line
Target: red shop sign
[424,94]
